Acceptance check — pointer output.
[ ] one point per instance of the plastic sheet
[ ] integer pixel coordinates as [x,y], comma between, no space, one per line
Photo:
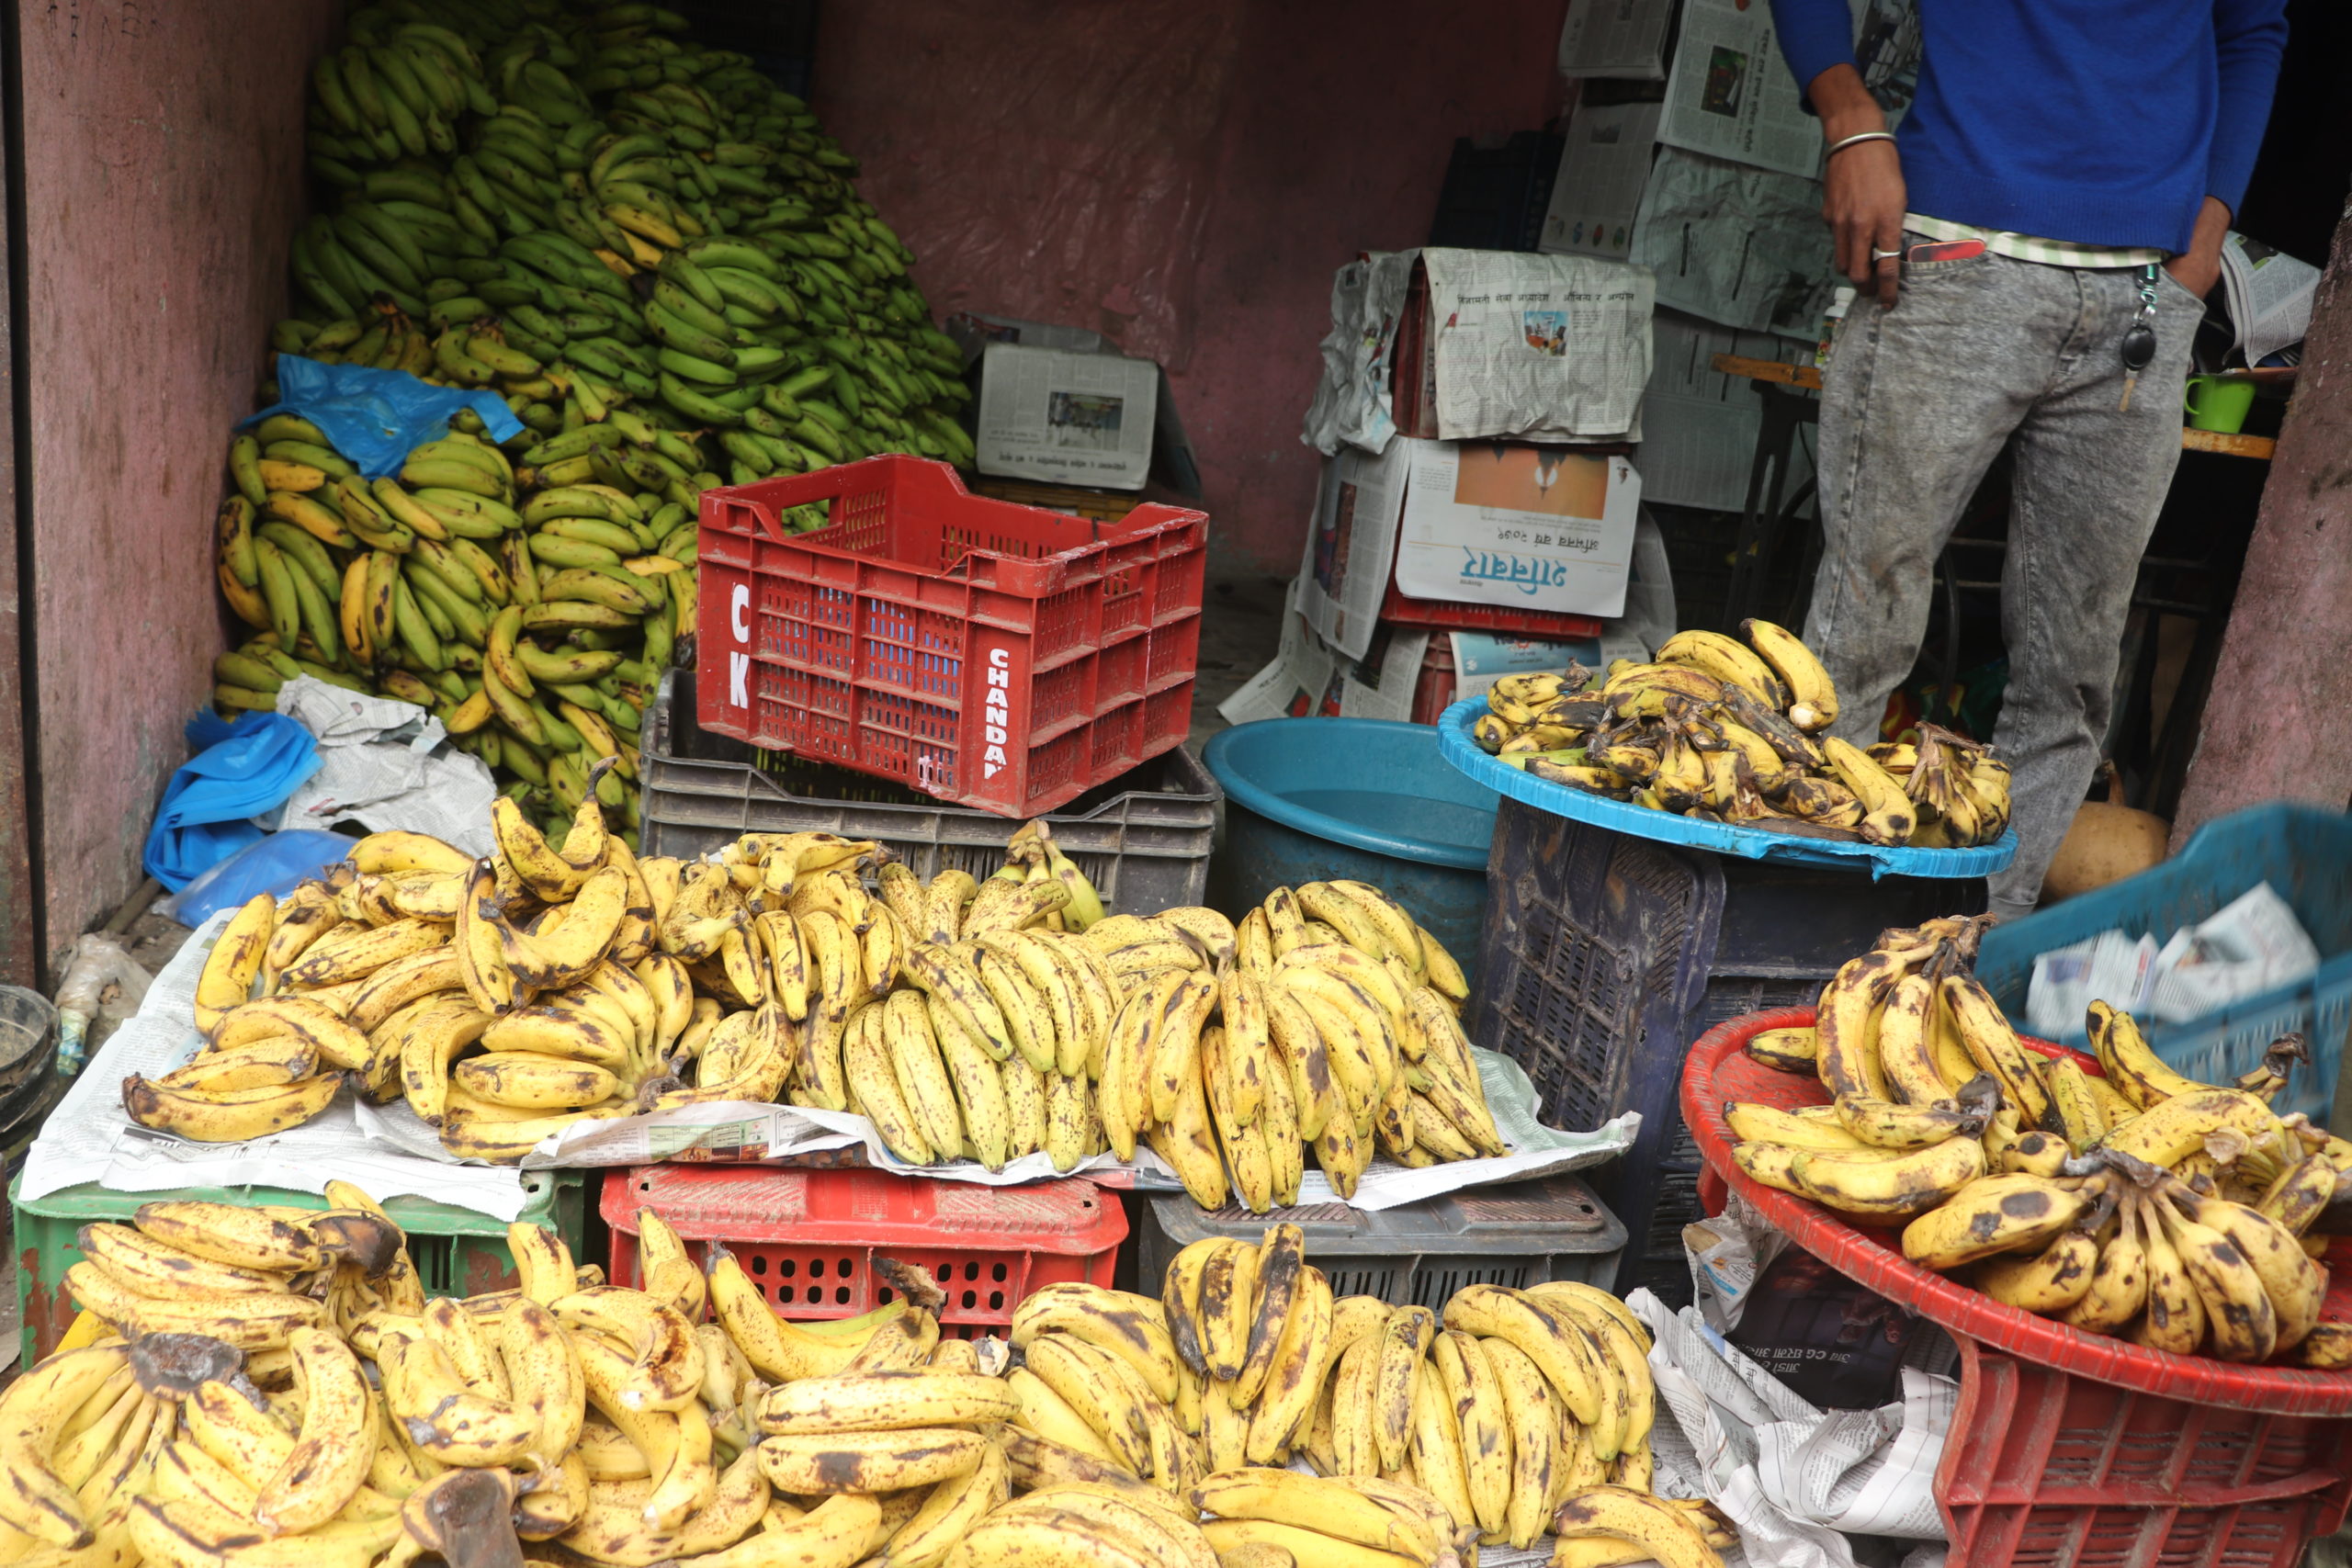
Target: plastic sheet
[376,417]
[241,768]
[273,864]
[1660,826]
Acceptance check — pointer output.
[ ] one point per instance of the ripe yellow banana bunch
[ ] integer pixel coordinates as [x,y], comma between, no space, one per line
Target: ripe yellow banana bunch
[2132,1201]
[1032,849]
[564,980]
[393,970]
[1727,731]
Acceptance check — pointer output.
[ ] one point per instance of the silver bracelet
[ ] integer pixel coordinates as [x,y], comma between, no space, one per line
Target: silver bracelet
[1837,147]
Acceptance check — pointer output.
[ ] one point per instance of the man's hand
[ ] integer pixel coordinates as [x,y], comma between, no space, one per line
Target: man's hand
[1862,194]
[2198,267]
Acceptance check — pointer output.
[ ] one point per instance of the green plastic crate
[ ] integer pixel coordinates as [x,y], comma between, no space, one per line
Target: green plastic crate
[457,1251]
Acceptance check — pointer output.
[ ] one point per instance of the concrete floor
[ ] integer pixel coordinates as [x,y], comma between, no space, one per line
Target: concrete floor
[1241,620]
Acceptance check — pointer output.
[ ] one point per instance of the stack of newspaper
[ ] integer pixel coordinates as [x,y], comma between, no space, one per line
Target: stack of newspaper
[2251,945]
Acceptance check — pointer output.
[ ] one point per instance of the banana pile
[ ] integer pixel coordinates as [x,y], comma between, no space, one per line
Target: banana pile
[1011,1015]
[2134,1201]
[537,636]
[257,1388]
[251,1387]
[564,980]
[655,257]
[1516,1400]
[580,208]
[1723,731]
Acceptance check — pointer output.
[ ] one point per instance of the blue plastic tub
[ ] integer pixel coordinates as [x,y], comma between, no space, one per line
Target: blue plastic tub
[1312,799]
[2305,853]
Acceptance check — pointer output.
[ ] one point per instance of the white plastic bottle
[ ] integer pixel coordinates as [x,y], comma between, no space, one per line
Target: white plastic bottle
[1838,304]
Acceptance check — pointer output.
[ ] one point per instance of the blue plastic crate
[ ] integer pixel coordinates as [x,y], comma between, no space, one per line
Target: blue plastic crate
[2305,853]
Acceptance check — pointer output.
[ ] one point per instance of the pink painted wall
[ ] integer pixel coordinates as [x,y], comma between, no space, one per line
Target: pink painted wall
[1183,176]
[163,159]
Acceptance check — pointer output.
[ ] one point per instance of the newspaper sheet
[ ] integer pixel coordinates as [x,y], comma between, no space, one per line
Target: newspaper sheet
[1292,683]
[1887,47]
[2269,294]
[1309,678]
[1351,545]
[89,1139]
[1384,683]
[1071,418]
[1794,1480]
[700,1132]
[1615,37]
[1542,346]
[384,764]
[1730,94]
[1740,246]
[1504,523]
[1604,163]
[1699,425]
[1352,404]
[1480,658]
[1346,407]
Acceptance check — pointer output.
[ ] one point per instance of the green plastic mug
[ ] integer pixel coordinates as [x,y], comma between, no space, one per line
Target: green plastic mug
[2218,402]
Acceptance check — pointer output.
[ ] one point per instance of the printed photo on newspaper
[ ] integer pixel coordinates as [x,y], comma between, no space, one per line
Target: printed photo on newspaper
[1538,347]
[1730,94]
[1511,523]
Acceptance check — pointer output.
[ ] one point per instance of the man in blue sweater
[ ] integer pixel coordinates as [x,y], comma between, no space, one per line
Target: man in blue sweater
[2073,164]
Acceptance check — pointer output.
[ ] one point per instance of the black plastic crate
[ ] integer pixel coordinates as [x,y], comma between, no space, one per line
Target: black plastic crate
[1605,956]
[1515,1235]
[1143,839]
[1493,198]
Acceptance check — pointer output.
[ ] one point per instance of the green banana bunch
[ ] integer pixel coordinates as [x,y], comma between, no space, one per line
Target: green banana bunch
[657,260]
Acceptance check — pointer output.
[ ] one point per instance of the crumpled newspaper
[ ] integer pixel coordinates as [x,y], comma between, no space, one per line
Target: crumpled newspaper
[2250,944]
[1794,1480]
[384,764]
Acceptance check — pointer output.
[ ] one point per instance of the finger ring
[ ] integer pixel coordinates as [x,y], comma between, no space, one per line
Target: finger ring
[1877,256]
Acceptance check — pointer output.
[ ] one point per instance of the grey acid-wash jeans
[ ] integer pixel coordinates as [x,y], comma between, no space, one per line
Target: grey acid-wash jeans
[1916,402]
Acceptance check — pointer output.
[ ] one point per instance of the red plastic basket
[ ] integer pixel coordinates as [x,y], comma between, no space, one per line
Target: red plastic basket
[1448,615]
[808,1238]
[2071,1450]
[998,655]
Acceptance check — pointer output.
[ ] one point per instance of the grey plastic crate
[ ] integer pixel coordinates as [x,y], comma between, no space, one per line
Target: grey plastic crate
[1143,839]
[1521,1234]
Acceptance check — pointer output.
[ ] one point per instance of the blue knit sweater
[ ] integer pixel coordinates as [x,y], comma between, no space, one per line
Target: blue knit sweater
[2102,122]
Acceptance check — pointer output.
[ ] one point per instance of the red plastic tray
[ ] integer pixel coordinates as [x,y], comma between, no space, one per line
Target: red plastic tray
[1719,1071]
[808,1238]
[1448,615]
[998,655]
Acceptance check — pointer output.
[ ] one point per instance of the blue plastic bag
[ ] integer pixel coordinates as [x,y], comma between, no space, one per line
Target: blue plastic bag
[273,864]
[376,417]
[240,771]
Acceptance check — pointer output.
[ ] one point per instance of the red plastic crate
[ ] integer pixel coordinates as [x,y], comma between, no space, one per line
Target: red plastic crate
[994,655]
[1448,615]
[2072,1449]
[2045,1467]
[808,1238]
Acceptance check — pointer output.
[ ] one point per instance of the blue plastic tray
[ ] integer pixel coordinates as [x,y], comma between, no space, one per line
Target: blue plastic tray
[1454,743]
